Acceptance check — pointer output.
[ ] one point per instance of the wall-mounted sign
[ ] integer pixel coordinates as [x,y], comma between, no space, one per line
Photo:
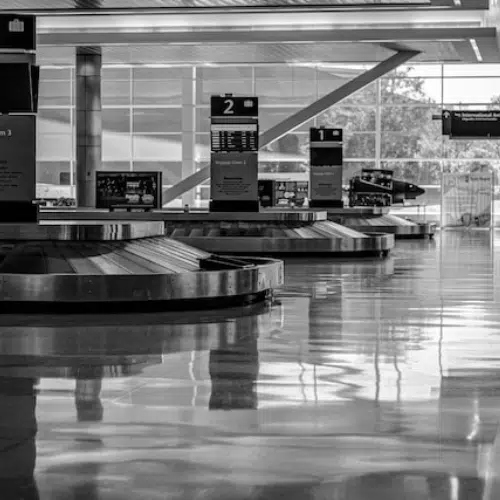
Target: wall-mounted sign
[471,124]
[17,32]
[326,161]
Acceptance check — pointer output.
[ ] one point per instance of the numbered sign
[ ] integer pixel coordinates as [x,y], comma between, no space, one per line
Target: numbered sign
[234,106]
[234,142]
[325,135]
[325,147]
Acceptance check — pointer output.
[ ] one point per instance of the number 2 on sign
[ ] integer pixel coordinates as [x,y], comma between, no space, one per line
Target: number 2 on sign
[229,107]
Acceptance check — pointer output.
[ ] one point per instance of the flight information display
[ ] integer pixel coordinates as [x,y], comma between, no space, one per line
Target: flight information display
[234,137]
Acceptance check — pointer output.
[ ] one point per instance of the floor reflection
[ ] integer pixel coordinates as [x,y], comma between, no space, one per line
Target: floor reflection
[377,379]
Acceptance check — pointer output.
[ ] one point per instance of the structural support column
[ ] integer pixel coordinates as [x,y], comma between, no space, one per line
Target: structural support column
[304,115]
[188,130]
[88,123]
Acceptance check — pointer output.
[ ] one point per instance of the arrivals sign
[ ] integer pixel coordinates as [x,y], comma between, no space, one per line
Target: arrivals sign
[17,159]
[17,32]
[471,124]
[326,166]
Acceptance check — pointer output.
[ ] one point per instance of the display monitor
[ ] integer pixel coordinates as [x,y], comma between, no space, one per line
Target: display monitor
[16,94]
[128,189]
[326,156]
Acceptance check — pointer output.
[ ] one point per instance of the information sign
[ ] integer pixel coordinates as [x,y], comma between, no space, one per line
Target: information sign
[234,141]
[326,160]
[234,177]
[17,158]
[234,136]
[471,124]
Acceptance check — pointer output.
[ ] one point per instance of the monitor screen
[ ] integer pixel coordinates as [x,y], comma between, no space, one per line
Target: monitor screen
[16,88]
[128,189]
[326,156]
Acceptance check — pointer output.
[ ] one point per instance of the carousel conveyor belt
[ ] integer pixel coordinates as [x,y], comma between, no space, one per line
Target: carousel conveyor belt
[126,271]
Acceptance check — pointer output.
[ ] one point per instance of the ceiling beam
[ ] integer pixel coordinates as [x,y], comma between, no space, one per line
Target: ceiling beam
[402,34]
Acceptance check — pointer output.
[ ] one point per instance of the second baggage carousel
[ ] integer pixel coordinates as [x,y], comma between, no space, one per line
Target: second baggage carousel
[293,232]
[270,232]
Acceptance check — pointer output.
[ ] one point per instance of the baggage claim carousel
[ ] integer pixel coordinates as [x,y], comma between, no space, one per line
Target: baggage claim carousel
[72,266]
[275,233]
[79,260]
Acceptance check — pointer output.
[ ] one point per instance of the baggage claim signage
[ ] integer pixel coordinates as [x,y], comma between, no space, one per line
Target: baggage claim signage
[18,94]
[471,124]
[234,143]
[325,167]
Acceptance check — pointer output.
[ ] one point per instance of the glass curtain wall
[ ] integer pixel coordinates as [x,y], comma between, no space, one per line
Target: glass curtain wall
[388,124]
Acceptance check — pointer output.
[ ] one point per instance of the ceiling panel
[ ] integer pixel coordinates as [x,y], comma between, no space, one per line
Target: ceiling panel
[245,53]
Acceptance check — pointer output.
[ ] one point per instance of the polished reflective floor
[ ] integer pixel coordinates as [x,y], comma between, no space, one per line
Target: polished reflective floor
[373,379]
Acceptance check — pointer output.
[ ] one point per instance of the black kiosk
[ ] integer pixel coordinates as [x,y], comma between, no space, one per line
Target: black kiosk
[234,142]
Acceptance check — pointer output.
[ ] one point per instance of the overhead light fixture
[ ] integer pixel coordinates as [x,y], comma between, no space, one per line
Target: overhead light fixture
[458,3]
[476,50]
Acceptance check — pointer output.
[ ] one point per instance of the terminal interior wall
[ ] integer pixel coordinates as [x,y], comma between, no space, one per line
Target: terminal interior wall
[388,124]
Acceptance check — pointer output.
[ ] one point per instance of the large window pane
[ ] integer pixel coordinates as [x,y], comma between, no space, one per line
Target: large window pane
[271,91]
[116,120]
[207,88]
[474,70]
[365,96]
[220,73]
[268,117]
[290,153]
[414,118]
[152,92]
[349,118]
[55,93]
[54,147]
[49,172]
[52,74]
[157,120]
[419,172]
[471,90]
[171,171]
[352,168]
[157,147]
[116,166]
[399,89]
[359,146]
[60,115]
[475,149]
[202,119]
[115,92]
[116,146]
